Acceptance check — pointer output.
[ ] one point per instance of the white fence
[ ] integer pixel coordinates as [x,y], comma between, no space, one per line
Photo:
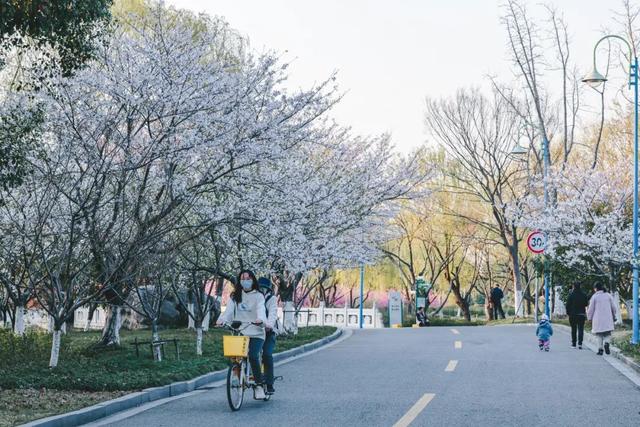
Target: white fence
[343,317]
[340,317]
[81,317]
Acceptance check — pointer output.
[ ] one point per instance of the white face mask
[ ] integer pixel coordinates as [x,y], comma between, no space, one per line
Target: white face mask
[246,284]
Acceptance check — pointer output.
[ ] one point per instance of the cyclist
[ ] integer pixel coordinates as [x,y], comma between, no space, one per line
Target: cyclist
[272,329]
[247,306]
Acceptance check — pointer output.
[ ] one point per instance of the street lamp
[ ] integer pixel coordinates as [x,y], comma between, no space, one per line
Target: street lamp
[519,150]
[594,79]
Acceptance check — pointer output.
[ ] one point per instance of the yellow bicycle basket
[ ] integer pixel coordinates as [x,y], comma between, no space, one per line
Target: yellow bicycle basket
[235,346]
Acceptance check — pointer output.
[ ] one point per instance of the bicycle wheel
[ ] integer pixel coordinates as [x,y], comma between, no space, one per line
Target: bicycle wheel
[235,385]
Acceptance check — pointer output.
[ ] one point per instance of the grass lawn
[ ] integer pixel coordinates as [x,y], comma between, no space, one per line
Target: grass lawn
[85,376]
[22,405]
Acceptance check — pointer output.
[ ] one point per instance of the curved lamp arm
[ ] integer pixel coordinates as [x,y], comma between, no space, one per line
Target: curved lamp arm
[612,36]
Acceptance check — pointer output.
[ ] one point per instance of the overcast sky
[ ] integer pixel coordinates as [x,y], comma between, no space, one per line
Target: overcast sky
[390,54]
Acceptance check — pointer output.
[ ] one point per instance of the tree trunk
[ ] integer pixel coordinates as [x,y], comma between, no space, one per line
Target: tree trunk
[488,312]
[463,304]
[92,310]
[113,322]
[55,348]
[290,319]
[517,282]
[155,336]
[190,309]
[199,340]
[19,327]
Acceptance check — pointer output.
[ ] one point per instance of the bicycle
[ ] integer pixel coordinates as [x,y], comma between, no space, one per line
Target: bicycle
[239,376]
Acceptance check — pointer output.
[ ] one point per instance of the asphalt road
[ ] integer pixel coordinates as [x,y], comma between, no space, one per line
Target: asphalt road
[375,377]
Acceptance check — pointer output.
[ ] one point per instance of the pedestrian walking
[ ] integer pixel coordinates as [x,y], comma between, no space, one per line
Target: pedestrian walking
[577,303]
[271,327]
[602,313]
[544,331]
[496,301]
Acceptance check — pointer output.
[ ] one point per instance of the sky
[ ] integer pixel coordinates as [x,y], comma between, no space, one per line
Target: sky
[391,54]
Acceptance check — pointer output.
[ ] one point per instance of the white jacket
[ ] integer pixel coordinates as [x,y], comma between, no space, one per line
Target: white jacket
[251,309]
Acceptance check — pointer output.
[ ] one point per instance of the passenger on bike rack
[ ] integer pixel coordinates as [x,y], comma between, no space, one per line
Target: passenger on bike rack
[271,331]
[247,305]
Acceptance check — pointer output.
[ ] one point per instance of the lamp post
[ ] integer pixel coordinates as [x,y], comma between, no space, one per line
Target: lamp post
[518,150]
[594,79]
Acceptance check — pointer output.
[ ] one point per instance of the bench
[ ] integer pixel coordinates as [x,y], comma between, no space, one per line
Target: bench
[160,343]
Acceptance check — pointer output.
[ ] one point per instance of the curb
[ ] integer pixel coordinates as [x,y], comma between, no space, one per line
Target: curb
[615,351]
[110,407]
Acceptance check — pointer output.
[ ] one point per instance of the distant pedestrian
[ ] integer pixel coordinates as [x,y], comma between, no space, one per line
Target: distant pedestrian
[421,317]
[576,309]
[602,313]
[544,332]
[496,301]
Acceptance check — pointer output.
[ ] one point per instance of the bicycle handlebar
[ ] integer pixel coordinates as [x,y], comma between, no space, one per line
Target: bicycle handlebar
[229,326]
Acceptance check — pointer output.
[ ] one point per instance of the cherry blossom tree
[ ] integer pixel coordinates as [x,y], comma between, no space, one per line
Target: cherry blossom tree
[589,225]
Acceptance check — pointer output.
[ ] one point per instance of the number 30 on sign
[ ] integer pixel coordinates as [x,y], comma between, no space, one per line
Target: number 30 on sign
[536,242]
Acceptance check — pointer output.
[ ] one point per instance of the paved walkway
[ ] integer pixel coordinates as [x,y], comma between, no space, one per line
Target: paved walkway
[481,376]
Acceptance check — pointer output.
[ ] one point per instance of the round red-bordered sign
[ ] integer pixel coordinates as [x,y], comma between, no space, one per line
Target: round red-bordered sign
[536,242]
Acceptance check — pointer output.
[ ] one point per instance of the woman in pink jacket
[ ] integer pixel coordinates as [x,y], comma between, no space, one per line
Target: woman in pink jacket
[602,312]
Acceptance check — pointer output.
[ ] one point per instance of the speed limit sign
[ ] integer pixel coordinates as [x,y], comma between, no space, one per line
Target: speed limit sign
[536,242]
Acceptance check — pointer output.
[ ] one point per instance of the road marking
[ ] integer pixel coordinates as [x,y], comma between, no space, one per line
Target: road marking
[458,344]
[451,366]
[455,331]
[415,410]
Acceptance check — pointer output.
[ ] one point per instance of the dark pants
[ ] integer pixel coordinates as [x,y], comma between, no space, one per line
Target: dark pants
[255,347]
[267,357]
[577,325]
[497,309]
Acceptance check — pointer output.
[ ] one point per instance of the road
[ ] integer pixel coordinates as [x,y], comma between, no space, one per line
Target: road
[376,377]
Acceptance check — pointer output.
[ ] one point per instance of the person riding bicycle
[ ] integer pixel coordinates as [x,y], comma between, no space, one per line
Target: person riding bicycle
[247,306]
[271,305]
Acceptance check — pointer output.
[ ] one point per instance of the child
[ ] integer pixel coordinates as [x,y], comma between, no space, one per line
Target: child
[544,332]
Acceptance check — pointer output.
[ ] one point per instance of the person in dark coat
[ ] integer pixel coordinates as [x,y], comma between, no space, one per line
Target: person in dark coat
[576,309]
[496,301]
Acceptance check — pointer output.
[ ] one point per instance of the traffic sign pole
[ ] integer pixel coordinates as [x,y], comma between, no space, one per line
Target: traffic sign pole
[537,243]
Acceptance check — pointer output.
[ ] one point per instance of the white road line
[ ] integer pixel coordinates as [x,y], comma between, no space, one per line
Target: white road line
[415,410]
[455,331]
[451,366]
[458,344]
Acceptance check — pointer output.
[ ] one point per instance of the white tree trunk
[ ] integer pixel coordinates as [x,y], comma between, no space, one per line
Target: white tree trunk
[111,330]
[199,341]
[155,336]
[519,306]
[616,301]
[290,318]
[118,325]
[20,325]
[192,324]
[558,307]
[50,324]
[55,349]
[89,319]
[206,321]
